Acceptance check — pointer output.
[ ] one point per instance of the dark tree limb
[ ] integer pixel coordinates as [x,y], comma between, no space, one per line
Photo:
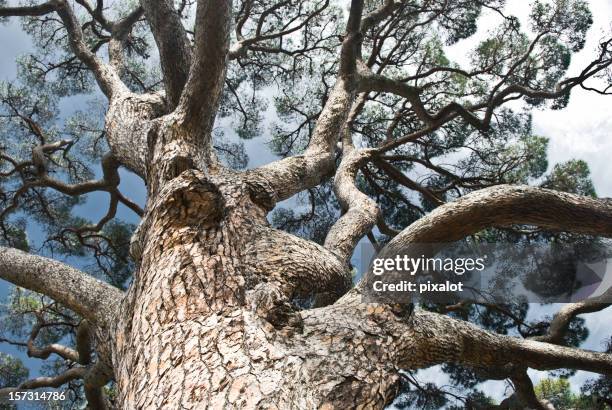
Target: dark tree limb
[240,48]
[523,387]
[96,377]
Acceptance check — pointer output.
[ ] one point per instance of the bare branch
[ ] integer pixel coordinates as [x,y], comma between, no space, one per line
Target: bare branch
[85,295]
[200,98]
[561,320]
[295,174]
[44,352]
[240,48]
[400,177]
[172,43]
[55,381]
[504,205]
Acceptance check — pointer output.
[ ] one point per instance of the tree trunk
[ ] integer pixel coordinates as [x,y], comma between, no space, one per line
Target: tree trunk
[209,318]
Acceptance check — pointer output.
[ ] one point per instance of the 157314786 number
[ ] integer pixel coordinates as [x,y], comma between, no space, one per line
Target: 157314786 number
[36,395]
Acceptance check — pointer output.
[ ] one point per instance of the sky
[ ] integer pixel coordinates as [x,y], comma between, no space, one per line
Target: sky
[582,130]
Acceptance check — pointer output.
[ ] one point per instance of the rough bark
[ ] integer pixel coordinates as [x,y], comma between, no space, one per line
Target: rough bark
[87,296]
[361,212]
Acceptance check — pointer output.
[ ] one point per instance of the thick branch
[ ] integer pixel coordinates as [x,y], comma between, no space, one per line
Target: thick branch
[119,35]
[200,98]
[172,43]
[105,75]
[524,389]
[85,295]
[425,339]
[504,205]
[94,381]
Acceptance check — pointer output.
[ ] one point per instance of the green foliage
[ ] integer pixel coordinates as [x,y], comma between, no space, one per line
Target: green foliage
[18,316]
[12,371]
[572,176]
[568,20]
[598,391]
[558,392]
[319,211]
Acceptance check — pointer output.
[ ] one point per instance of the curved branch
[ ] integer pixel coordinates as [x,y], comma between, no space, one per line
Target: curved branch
[504,205]
[369,81]
[44,352]
[106,76]
[361,212]
[561,320]
[56,381]
[85,295]
[404,180]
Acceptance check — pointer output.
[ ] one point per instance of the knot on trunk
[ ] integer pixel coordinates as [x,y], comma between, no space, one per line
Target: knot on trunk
[271,304]
[191,200]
